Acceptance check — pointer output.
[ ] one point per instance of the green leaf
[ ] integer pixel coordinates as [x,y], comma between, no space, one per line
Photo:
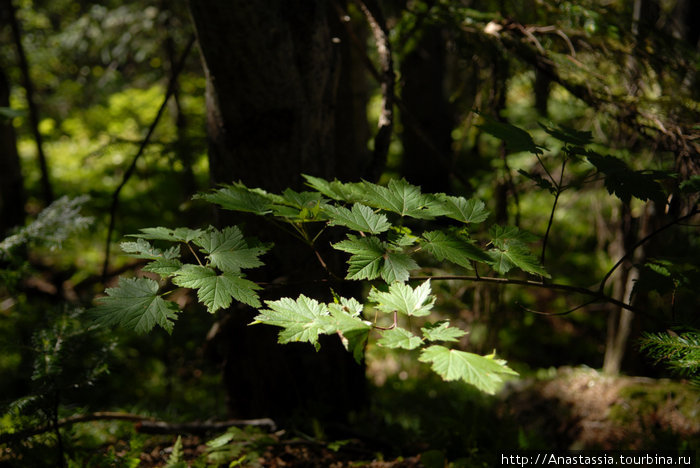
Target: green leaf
[401,236]
[484,373]
[367,256]
[173,235]
[517,255]
[217,291]
[461,209]
[569,135]
[361,218]
[625,183]
[692,185]
[445,246]
[164,267]
[353,331]
[516,139]
[143,249]
[404,299]
[346,192]
[396,267]
[135,304]
[302,319]
[229,251]
[238,197]
[442,331]
[398,197]
[539,180]
[502,236]
[399,337]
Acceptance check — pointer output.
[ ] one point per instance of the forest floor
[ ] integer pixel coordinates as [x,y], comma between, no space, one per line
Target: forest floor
[574,409]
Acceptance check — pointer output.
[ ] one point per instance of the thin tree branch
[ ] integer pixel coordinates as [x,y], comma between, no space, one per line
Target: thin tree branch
[144,424]
[554,207]
[692,213]
[33,111]
[556,314]
[172,84]
[597,295]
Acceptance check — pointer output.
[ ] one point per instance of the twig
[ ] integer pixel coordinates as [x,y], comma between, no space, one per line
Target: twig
[597,295]
[692,213]
[172,83]
[554,207]
[144,424]
[556,314]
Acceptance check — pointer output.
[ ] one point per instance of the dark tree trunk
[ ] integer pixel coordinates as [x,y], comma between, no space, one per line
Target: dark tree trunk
[429,121]
[273,85]
[11,182]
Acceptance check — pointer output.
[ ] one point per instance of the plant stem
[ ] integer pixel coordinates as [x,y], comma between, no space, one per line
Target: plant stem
[692,213]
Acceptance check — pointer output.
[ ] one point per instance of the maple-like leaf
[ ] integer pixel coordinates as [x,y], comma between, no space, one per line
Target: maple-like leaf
[367,256]
[229,251]
[238,197]
[442,331]
[516,139]
[503,236]
[447,246]
[404,299]
[163,267]
[484,373]
[346,192]
[624,182]
[460,209]
[141,248]
[398,337]
[353,331]
[360,218]
[217,291]
[517,255]
[135,304]
[174,235]
[396,266]
[398,197]
[302,319]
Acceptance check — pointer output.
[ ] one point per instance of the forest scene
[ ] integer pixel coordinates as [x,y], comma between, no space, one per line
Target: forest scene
[343,233]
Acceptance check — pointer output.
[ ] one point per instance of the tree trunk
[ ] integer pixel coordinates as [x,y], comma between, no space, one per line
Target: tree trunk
[11,182]
[423,95]
[273,84]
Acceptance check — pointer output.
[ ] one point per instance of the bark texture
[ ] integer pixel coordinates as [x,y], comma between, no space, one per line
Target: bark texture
[277,86]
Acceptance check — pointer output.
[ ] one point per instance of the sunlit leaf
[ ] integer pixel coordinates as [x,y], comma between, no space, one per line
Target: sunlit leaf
[229,251]
[217,291]
[135,304]
[447,246]
[367,256]
[442,331]
[398,197]
[360,218]
[404,299]
[398,337]
[484,373]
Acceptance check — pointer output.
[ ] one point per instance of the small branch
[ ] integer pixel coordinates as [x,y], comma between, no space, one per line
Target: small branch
[692,213]
[144,424]
[556,314]
[554,207]
[172,84]
[390,327]
[598,296]
[162,427]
